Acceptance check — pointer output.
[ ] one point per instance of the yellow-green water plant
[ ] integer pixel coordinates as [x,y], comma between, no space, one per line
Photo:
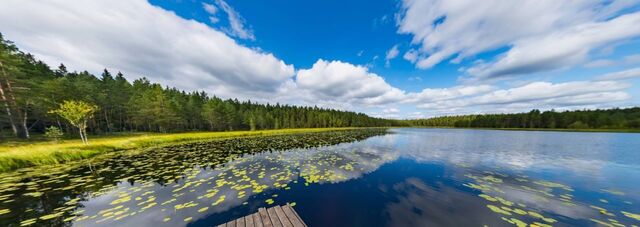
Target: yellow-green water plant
[45,153]
[77,113]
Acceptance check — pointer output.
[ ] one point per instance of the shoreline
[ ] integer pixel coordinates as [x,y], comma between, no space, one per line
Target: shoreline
[21,155]
[538,129]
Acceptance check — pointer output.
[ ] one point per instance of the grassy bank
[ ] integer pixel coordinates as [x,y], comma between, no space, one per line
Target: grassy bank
[19,155]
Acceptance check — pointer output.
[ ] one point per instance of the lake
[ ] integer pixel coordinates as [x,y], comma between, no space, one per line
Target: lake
[408,177]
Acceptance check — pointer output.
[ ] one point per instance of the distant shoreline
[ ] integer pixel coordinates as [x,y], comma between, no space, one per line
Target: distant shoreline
[539,129]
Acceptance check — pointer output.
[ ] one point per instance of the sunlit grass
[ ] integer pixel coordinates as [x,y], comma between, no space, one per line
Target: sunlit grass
[14,156]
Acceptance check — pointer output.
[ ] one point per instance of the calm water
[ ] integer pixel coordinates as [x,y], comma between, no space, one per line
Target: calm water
[411,177]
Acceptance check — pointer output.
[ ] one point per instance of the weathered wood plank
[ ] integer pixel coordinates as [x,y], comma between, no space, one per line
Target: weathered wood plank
[282,217]
[297,215]
[264,216]
[256,220]
[274,217]
[248,221]
[240,222]
[293,216]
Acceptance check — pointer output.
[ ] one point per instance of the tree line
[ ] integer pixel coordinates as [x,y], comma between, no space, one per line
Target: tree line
[30,90]
[628,118]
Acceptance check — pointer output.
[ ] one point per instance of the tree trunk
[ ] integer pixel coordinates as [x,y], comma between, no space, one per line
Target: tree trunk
[25,129]
[106,118]
[6,103]
[6,106]
[86,140]
[14,103]
[81,135]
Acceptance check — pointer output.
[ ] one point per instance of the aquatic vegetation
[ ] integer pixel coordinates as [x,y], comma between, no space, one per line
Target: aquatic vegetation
[613,191]
[44,153]
[631,215]
[498,210]
[135,185]
[492,186]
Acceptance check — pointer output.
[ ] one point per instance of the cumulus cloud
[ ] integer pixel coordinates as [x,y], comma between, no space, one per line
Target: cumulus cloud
[139,39]
[460,29]
[345,82]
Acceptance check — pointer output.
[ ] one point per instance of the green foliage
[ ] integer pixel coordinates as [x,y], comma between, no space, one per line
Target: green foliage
[53,132]
[578,125]
[581,119]
[77,113]
[140,105]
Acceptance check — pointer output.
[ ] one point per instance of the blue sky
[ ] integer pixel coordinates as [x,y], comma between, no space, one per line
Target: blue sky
[395,58]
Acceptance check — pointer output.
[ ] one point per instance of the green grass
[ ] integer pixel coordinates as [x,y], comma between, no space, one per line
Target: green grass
[15,155]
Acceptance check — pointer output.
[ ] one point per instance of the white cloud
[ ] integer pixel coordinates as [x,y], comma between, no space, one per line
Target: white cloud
[621,75]
[600,63]
[391,54]
[212,11]
[237,23]
[415,78]
[411,56]
[446,29]
[442,94]
[390,110]
[345,82]
[559,49]
[632,59]
[139,39]
[539,95]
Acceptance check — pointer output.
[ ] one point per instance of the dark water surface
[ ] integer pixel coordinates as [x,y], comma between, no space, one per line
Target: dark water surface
[410,177]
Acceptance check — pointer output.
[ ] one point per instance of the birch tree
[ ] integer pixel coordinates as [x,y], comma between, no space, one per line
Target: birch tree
[78,114]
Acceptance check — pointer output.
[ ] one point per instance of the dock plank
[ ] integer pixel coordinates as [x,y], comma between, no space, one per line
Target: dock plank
[274,217]
[282,217]
[240,222]
[293,216]
[257,221]
[248,221]
[264,216]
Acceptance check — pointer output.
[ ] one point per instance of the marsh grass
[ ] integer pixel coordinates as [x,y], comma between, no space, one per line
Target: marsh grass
[18,155]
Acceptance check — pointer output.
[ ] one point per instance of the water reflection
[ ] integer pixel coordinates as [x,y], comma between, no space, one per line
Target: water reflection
[411,177]
[169,186]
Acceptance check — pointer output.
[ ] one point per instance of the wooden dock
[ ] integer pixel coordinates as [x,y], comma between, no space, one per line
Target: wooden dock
[277,216]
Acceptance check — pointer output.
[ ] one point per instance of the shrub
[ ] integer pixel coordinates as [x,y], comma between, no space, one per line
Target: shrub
[53,132]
